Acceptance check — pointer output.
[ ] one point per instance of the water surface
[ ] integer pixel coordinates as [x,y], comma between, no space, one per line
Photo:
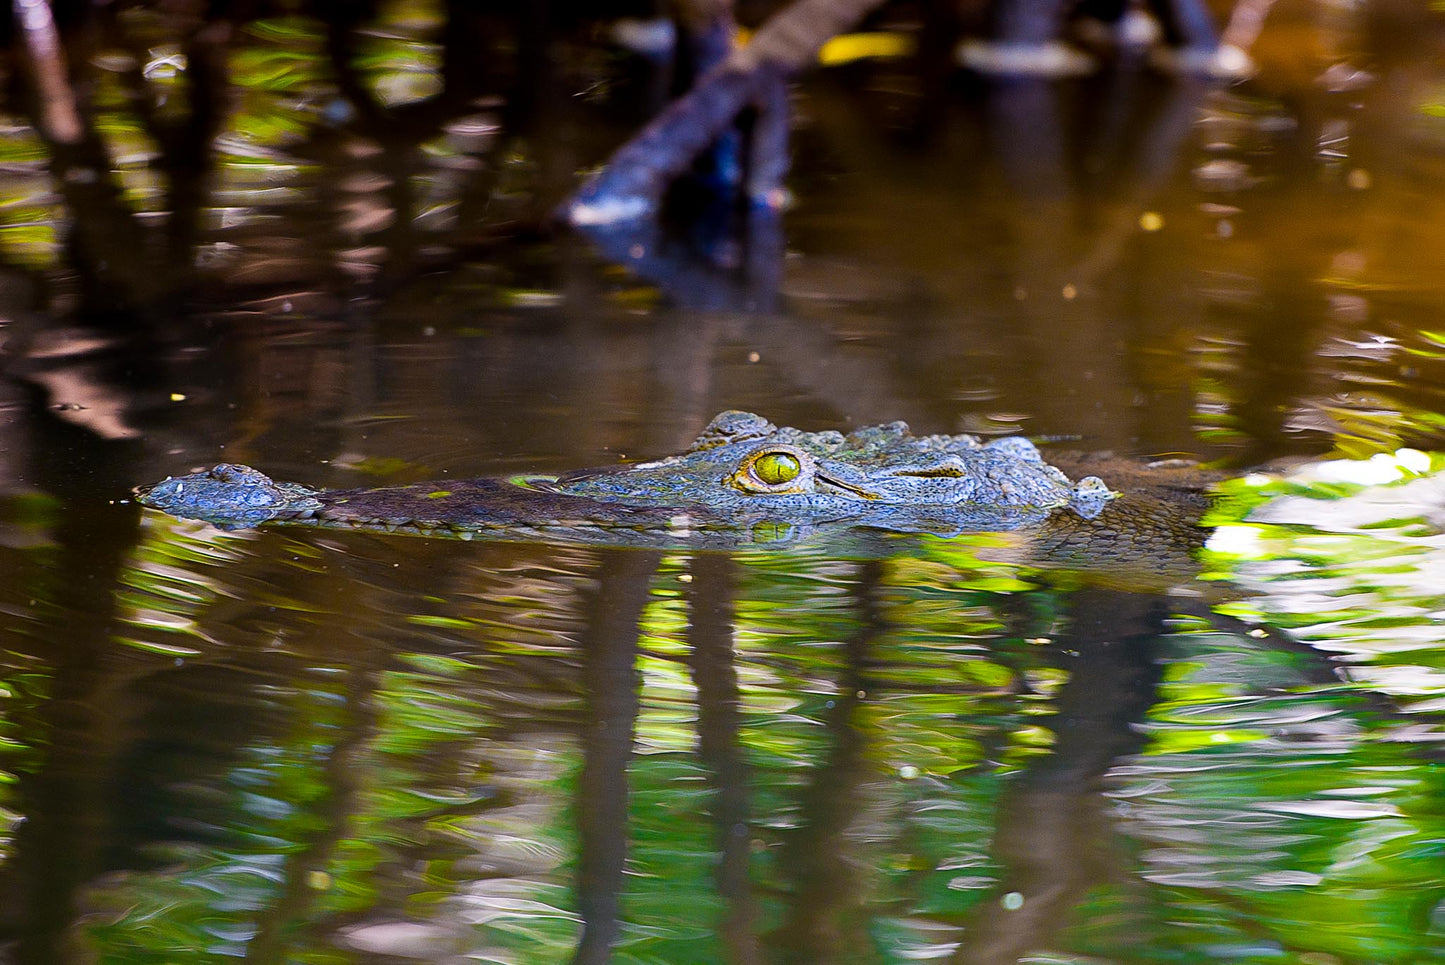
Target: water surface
[291,745]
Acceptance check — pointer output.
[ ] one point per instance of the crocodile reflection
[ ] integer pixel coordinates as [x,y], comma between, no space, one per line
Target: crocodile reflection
[743,480]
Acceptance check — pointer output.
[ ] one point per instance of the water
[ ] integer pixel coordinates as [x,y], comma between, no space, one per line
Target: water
[294,744]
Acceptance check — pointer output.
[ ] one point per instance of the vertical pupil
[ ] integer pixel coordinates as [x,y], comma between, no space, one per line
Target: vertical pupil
[776,468]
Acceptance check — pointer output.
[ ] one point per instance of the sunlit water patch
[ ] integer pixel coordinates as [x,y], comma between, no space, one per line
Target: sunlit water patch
[1350,557]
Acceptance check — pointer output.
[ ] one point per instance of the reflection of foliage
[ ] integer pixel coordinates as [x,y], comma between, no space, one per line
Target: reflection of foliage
[1274,821]
[168,585]
[345,815]
[27,229]
[1338,853]
[19,694]
[223,126]
[415,788]
[1349,556]
[437,806]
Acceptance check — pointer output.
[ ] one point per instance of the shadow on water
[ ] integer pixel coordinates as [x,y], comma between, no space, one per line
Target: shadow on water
[612,686]
[1054,840]
[320,246]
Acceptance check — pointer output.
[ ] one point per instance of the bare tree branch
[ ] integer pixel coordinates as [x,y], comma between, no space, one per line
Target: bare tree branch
[632,182]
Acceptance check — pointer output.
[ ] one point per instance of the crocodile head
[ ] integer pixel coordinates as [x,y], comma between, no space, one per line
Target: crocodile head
[229,496]
[881,475]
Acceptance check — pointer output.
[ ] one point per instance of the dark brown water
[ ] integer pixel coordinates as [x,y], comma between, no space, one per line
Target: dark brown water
[293,745]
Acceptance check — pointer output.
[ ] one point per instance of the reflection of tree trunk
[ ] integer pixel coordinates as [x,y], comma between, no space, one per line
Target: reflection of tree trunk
[820,926]
[728,264]
[186,144]
[1053,831]
[1277,360]
[611,681]
[67,794]
[285,921]
[59,118]
[342,17]
[1073,227]
[399,130]
[188,153]
[710,639]
[1028,21]
[107,248]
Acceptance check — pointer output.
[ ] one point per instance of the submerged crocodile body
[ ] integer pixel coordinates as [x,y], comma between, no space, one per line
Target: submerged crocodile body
[743,480]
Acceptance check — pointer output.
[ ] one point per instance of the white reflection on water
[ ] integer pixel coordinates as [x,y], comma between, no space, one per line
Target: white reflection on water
[1350,557]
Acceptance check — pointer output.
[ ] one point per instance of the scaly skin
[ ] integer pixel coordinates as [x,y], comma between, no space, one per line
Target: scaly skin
[744,480]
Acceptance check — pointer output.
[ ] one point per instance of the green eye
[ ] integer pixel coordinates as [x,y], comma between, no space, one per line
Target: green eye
[776,468]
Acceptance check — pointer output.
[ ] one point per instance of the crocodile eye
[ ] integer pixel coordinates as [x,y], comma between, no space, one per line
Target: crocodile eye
[776,468]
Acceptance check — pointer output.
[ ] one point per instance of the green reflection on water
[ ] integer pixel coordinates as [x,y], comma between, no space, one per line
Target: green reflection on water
[877,763]
[1347,556]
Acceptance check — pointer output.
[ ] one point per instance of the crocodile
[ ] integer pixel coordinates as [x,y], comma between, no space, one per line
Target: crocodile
[743,480]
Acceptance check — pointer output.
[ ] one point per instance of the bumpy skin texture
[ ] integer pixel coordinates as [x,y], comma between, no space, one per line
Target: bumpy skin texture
[873,472]
[743,480]
[231,495]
